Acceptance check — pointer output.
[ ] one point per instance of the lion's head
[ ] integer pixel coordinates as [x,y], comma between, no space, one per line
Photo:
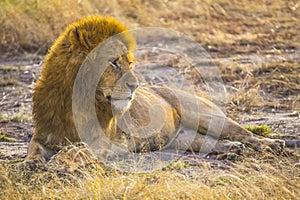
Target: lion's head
[118,84]
[52,98]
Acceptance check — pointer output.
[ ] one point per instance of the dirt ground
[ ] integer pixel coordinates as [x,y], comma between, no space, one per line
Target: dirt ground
[279,110]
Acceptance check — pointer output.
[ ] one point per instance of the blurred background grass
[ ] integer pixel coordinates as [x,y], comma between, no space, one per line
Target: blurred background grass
[222,26]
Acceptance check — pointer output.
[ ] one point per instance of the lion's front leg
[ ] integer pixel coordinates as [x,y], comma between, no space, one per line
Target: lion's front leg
[38,154]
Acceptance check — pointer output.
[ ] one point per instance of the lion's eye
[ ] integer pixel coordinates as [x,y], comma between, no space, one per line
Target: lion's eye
[115,64]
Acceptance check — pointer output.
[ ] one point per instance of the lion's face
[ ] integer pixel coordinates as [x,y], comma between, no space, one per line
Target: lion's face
[118,83]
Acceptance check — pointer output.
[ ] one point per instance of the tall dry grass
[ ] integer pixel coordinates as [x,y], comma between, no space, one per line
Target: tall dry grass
[30,26]
[239,26]
[272,177]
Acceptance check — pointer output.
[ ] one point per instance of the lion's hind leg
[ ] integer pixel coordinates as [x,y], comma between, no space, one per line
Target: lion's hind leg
[189,140]
[234,131]
[212,121]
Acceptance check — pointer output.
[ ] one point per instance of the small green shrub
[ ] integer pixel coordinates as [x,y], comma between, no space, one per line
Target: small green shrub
[262,130]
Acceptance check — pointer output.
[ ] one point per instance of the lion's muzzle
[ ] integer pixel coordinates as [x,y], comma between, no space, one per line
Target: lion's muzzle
[123,92]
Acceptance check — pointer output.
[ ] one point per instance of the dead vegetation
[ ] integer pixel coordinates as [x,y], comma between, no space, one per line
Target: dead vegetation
[223,27]
[250,178]
[233,32]
[264,86]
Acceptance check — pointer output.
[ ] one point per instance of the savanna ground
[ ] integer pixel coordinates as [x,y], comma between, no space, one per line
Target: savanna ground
[256,46]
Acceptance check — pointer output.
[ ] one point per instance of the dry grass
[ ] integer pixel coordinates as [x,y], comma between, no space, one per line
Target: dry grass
[30,26]
[263,86]
[224,28]
[272,177]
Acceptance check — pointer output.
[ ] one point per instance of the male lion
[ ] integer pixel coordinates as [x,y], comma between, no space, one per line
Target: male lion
[118,94]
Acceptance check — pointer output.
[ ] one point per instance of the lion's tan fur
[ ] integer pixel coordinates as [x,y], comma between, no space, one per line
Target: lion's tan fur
[52,103]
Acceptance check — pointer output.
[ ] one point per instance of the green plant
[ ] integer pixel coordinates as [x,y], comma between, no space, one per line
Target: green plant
[262,130]
[4,138]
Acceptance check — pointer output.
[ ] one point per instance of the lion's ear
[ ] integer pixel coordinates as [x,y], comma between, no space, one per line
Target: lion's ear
[76,33]
[74,36]
[78,38]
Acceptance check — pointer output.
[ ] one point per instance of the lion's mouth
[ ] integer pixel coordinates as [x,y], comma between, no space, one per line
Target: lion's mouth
[120,105]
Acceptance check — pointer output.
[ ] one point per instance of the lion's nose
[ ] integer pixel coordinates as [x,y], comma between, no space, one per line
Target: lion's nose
[132,87]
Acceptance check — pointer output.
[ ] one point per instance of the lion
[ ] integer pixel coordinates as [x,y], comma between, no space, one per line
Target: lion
[118,94]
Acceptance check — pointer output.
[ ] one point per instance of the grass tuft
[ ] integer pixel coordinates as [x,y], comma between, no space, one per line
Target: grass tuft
[4,138]
[262,130]
[8,82]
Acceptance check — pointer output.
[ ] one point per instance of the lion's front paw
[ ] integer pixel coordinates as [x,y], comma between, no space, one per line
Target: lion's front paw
[30,165]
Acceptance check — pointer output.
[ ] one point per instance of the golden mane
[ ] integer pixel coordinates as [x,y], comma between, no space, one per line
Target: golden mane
[52,104]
